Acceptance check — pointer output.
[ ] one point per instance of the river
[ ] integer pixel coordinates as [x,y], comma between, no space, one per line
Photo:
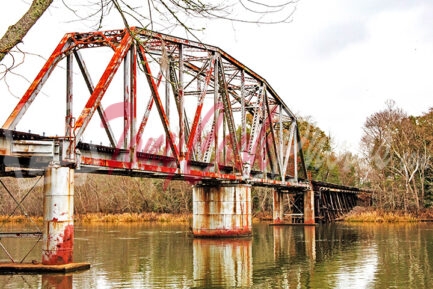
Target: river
[167,256]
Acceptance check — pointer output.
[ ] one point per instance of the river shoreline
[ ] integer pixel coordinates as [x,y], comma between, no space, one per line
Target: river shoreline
[358,214]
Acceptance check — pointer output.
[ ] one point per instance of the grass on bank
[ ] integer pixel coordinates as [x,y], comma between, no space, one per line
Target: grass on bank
[369,215]
[358,214]
[133,218]
[108,218]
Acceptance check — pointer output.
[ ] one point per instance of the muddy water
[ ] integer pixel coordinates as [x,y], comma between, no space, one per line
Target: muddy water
[167,256]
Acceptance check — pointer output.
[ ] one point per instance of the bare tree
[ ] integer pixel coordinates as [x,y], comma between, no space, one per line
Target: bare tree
[16,32]
[151,13]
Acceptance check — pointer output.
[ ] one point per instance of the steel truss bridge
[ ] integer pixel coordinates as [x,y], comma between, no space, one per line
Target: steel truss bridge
[139,103]
[215,119]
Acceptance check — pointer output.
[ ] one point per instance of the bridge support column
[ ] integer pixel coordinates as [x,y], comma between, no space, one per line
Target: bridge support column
[222,210]
[309,217]
[277,208]
[58,233]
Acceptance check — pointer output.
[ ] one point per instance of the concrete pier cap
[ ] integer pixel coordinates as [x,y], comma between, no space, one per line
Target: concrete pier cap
[222,210]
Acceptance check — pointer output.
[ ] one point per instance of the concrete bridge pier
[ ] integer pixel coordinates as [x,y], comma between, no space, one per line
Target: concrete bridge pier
[309,215]
[222,210]
[277,208]
[58,232]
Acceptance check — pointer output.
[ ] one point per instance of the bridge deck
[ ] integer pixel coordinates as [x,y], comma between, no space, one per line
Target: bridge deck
[28,154]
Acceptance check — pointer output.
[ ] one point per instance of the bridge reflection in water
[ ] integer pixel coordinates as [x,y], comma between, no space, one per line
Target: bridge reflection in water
[165,256]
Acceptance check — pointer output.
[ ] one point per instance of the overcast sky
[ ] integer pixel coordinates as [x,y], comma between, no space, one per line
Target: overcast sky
[337,61]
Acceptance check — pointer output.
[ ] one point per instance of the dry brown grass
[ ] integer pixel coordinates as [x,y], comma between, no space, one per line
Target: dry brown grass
[19,219]
[133,218]
[360,214]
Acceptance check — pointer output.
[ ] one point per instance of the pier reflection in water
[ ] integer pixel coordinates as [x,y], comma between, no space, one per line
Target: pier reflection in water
[326,256]
[223,262]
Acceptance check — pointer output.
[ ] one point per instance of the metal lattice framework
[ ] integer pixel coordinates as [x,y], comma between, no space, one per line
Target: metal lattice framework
[217,119]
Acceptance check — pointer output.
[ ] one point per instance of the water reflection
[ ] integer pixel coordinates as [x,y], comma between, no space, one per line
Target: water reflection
[326,256]
[286,243]
[223,262]
[57,281]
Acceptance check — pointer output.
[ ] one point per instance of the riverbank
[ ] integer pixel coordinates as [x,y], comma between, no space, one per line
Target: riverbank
[109,218]
[358,214]
[374,215]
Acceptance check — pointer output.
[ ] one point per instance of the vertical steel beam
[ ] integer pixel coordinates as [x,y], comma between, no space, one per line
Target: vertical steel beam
[181,106]
[58,235]
[243,116]
[295,154]
[126,99]
[167,103]
[280,155]
[69,96]
[133,106]
[216,115]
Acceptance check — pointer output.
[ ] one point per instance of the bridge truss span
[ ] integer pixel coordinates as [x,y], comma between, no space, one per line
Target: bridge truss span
[156,105]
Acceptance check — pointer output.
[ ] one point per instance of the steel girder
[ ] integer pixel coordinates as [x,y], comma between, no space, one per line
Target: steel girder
[217,119]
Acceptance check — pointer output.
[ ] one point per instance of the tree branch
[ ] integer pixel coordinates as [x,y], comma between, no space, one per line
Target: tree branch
[16,32]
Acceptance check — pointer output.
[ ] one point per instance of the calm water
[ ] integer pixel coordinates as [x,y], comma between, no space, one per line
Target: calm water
[166,256]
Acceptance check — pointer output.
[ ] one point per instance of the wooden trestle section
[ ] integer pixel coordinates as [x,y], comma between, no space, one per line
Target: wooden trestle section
[331,202]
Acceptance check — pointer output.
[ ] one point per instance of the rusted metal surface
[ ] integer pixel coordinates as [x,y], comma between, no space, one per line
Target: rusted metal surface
[222,211]
[197,130]
[58,237]
[201,136]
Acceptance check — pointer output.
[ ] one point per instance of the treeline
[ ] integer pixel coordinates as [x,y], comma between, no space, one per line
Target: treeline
[395,161]
[109,194]
[398,151]
[323,161]
[396,164]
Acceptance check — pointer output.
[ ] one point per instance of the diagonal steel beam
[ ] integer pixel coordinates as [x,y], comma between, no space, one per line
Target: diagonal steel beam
[192,135]
[91,88]
[102,86]
[159,105]
[43,75]
[146,114]
[228,115]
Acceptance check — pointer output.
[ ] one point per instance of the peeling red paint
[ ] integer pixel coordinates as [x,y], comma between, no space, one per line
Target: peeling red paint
[63,253]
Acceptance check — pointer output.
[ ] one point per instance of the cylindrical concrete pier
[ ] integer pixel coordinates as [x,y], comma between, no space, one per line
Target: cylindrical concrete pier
[58,235]
[278,208]
[309,216]
[222,210]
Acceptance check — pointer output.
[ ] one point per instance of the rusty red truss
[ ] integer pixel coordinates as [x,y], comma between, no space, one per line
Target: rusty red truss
[159,106]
